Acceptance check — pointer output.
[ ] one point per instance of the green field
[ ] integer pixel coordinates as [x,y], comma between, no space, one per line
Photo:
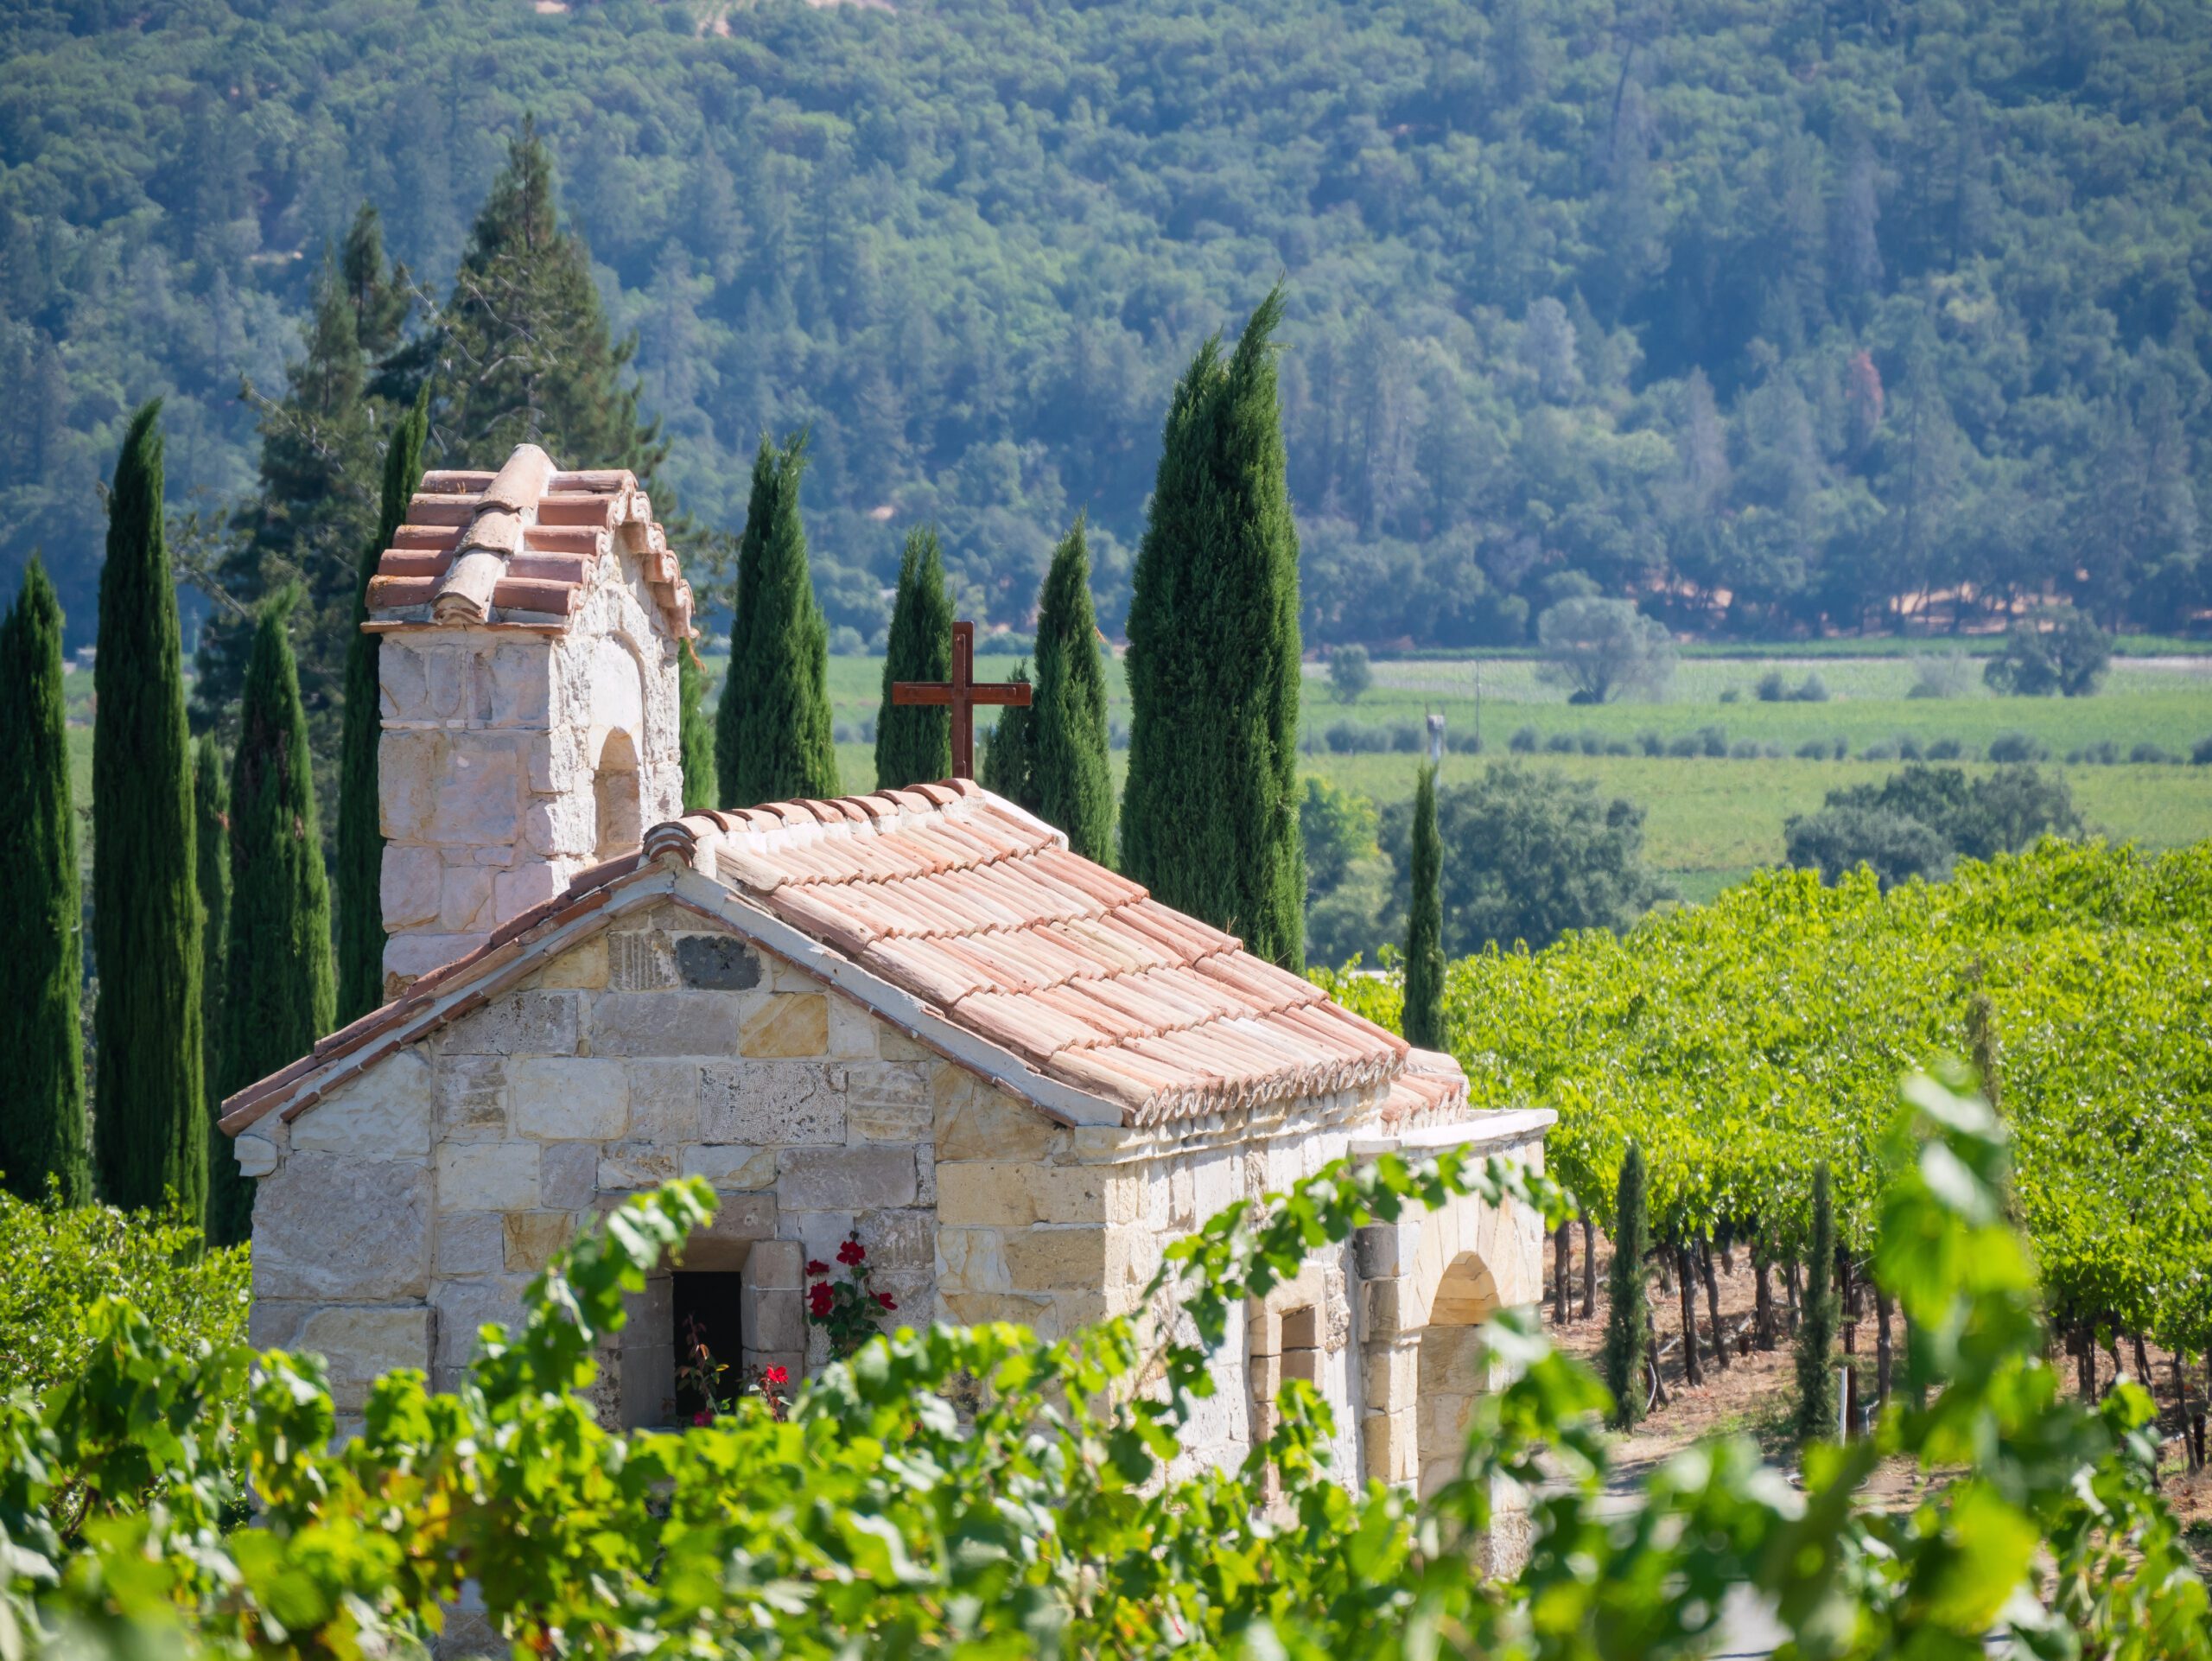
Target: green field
[1712,820]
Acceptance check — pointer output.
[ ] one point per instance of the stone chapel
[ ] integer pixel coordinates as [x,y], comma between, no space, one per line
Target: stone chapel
[913,1015]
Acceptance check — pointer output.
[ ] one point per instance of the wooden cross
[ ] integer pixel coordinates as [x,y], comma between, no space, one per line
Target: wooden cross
[964,692]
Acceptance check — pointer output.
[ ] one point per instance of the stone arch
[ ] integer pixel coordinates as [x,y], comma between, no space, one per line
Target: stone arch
[1450,1368]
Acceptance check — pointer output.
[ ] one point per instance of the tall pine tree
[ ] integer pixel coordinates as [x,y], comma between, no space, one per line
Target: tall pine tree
[41,951]
[1073,778]
[1209,815]
[694,733]
[914,742]
[1424,1017]
[211,812]
[360,836]
[279,987]
[149,1134]
[1009,764]
[772,735]
[522,353]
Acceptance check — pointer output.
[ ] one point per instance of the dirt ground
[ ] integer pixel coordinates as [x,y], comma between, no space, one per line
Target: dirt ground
[1755,1393]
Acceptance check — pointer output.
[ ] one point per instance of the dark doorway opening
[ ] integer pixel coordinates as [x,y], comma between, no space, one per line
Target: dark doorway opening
[709,1342]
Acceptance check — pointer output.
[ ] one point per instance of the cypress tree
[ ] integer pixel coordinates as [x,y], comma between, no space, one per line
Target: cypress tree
[772,736]
[913,743]
[279,987]
[1424,1017]
[1009,766]
[1628,1305]
[694,733]
[1210,816]
[360,836]
[42,963]
[150,1129]
[211,812]
[1074,782]
[1816,1326]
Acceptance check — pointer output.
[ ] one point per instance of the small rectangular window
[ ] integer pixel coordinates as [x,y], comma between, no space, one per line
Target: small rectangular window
[709,1341]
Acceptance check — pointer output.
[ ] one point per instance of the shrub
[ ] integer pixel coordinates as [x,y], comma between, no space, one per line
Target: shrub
[1947,676]
[1944,749]
[1744,749]
[1590,743]
[2060,650]
[2102,753]
[1619,747]
[1814,749]
[1350,673]
[1713,741]
[1523,741]
[1463,743]
[2153,755]
[1772,688]
[1353,738]
[1840,839]
[1731,695]
[2018,747]
[1559,744]
[1686,744]
[1651,744]
[1812,690]
[1408,738]
[1882,826]
[2201,754]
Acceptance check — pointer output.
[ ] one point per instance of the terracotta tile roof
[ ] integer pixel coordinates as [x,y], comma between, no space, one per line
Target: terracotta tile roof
[978,913]
[970,904]
[516,548]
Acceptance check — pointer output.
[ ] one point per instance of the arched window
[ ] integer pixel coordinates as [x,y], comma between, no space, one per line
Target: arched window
[615,797]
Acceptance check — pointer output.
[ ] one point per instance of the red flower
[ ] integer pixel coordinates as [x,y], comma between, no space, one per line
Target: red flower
[775,1375]
[816,1266]
[818,1301]
[885,1298]
[851,1252]
[703,1417]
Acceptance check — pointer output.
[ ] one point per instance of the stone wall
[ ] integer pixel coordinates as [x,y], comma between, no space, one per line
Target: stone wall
[494,741]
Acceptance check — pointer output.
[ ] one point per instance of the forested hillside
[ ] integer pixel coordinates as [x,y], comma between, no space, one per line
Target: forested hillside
[1803,308]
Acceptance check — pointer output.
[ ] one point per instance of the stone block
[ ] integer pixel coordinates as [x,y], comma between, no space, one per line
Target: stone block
[341,1229]
[728,1239]
[639,960]
[778,1102]
[407,766]
[445,682]
[852,1031]
[532,1237]
[845,1179]
[924,1175]
[470,1243]
[583,965]
[889,1101]
[1389,1310]
[515,892]
[971,1260]
[773,1320]
[522,1023]
[465,898]
[900,1240]
[272,1324]
[777,1266]
[487,1176]
[568,1098]
[717,963]
[477,795]
[732,1169]
[663,1100]
[256,1155]
[1012,1195]
[402,693]
[894,1045]
[463,1307]
[649,1317]
[1214,1184]
[1391,1446]
[469,1097]
[1054,1259]
[976,1120]
[409,884]
[384,1114]
[979,1308]
[663,1023]
[568,1174]
[819,1233]
[361,1345]
[787,1026]
[520,680]
[1392,1378]
[1381,1251]
[624,1167]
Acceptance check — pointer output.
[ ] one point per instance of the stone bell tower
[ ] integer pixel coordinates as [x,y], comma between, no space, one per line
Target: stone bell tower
[531,622]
